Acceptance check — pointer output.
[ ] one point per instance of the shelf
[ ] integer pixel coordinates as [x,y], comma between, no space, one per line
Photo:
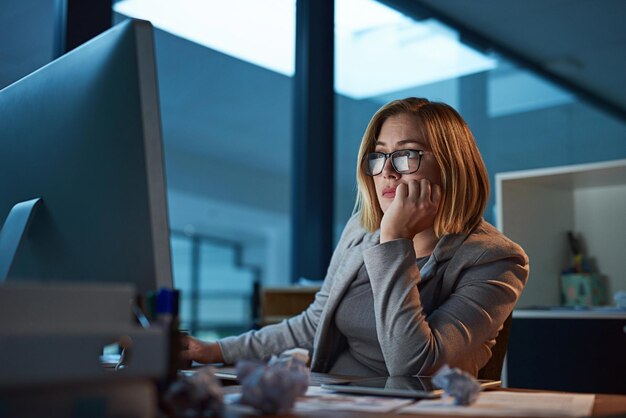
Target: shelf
[536,208]
[606,173]
[563,313]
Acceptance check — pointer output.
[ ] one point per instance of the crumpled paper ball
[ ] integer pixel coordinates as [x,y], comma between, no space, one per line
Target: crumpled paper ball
[274,387]
[198,395]
[457,384]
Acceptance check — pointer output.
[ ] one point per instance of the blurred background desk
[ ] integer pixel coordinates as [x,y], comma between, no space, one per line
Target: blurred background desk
[278,303]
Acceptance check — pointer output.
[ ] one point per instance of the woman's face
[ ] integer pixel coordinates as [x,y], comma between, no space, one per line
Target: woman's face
[402,132]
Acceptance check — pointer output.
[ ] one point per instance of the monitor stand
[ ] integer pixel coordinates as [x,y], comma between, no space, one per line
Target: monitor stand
[13,231]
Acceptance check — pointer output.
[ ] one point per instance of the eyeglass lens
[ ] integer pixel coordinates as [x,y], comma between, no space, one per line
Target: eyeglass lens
[403,161]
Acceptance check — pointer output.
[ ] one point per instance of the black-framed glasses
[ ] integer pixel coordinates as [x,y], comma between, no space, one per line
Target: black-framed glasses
[404,161]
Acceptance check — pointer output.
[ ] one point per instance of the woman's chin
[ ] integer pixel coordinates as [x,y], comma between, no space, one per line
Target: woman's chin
[384,203]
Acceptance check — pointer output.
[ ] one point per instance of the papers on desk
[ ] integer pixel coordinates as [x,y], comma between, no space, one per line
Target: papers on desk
[490,403]
[318,399]
[501,403]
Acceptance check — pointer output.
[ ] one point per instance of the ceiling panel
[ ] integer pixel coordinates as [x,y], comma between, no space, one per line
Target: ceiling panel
[580,41]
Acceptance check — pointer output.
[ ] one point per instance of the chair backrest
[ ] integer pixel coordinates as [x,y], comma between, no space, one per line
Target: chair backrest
[493,369]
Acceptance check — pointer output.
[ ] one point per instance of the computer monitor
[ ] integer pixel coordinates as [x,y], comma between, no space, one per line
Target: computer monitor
[83,134]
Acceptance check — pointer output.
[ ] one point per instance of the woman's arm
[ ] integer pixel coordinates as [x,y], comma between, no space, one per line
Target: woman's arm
[454,333]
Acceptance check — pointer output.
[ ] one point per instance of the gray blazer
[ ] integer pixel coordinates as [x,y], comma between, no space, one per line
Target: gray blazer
[449,313]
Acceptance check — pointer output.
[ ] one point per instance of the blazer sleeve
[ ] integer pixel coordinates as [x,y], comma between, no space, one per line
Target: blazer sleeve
[485,293]
[298,331]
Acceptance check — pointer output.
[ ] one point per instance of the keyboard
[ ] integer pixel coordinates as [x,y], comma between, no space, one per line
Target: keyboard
[230,373]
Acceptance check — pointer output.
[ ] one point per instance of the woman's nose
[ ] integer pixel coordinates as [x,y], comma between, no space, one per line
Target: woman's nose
[388,170]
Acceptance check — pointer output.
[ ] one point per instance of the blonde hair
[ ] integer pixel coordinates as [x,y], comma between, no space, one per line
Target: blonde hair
[464,179]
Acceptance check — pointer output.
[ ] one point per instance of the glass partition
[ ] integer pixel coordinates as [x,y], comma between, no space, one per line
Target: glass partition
[226,104]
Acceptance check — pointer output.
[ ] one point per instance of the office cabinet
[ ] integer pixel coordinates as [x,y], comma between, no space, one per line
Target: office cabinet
[578,351]
[555,348]
[536,208]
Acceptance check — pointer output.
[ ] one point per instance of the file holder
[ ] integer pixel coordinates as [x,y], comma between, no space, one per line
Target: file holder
[54,333]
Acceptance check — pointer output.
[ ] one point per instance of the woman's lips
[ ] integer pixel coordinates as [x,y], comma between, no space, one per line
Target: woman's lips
[389,192]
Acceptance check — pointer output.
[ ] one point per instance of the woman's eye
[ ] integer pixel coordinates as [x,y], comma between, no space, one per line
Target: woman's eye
[403,153]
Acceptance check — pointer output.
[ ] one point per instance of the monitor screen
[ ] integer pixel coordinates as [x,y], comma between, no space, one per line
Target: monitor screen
[83,134]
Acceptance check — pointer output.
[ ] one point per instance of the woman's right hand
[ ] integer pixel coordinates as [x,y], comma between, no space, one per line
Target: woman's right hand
[193,349]
[412,211]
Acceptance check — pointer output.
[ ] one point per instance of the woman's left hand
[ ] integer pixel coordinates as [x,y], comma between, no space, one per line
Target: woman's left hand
[192,349]
[412,211]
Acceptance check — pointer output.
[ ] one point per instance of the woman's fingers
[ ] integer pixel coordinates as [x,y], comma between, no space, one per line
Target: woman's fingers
[202,352]
[424,190]
[414,190]
[185,355]
[192,349]
[436,194]
[412,211]
[421,192]
[402,191]
[183,341]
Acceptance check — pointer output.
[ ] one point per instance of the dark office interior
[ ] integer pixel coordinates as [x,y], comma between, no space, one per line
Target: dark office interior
[260,158]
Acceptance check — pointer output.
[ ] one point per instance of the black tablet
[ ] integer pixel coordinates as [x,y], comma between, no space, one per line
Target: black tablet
[399,386]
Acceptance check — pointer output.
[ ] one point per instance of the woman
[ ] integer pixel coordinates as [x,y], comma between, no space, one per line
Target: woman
[418,278]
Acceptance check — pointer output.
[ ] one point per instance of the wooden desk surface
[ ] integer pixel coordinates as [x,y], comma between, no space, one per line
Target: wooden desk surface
[604,406]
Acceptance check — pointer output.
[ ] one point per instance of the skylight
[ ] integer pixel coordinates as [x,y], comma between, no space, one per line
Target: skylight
[378,50]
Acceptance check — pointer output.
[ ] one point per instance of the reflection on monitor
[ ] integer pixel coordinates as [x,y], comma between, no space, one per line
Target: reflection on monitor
[83,134]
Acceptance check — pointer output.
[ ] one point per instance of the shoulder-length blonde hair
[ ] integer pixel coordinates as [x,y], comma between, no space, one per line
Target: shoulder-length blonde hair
[465,183]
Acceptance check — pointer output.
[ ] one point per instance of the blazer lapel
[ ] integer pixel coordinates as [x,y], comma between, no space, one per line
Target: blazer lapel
[444,250]
[345,274]
[347,271]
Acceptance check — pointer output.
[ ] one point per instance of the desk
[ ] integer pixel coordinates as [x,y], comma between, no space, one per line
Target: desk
[609,405]
[138,399]
[278,303]
[604,406]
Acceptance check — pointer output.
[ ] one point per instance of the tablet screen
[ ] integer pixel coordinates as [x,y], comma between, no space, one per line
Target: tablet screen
[404,386]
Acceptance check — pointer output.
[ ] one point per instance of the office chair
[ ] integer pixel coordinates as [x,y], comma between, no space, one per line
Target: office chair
[493,369]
